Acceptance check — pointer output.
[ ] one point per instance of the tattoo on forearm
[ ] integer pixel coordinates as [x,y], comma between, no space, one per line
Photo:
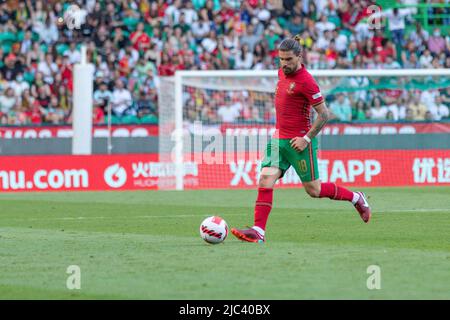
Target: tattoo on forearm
[318,124]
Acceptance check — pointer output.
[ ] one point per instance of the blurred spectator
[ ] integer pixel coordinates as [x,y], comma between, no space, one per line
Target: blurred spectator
[18,115]
[231,41]
[209,43]
[121,99]
[294,25]
[396,18]
[259,52]
[418,109]
[341,108]
[412,62]
[52,114]
[189,13]
[377,110]
[439,110]
[429,116]
[436,43]
[352,51]
[397,110]
[250,38]
[166,68]
[3,119]
[409,115]
[425,59]
[331,55]
[98,115]
[66,72]
[7,101]
[47,31]
[324,25]
[341,42]
[200,29]
[119,40]
[102,96]
[139,39]
[11,68]
[73,53]
[419,36]
[359,82]
[324,40]
[265,64]
[271,37]
[27,42]
[144,104]
[360,111]
[244,59]
[172,13]
[428,97]
[48,68]
[391,63]
[19,85]
[228,113]
[390,116]
[388,49]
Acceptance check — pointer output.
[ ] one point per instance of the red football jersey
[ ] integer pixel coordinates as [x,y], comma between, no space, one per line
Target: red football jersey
[294,96]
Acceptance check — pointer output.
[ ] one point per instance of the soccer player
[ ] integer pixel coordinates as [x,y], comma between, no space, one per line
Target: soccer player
[294,142]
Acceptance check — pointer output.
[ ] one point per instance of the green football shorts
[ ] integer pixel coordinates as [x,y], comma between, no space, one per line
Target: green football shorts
[280,154]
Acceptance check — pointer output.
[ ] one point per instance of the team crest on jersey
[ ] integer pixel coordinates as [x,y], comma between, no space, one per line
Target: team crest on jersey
[291,88]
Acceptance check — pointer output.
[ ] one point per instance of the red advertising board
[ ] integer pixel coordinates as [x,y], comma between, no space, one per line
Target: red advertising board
[67,132]
[143,171]
[148,130]
[347,129]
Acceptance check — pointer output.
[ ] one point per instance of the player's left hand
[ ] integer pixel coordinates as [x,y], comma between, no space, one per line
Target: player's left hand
[299,144]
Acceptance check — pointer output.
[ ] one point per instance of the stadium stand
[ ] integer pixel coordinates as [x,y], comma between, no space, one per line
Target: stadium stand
[134,43]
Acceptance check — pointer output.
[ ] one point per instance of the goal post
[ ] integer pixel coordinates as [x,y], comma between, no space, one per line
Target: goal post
[199,108]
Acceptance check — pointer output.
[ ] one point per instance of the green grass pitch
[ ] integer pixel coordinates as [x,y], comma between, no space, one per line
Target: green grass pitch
[146,245]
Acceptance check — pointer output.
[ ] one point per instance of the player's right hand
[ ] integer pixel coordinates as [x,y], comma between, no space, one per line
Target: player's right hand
[299,144]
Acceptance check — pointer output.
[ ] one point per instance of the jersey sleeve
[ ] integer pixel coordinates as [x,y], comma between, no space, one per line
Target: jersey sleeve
[312,92]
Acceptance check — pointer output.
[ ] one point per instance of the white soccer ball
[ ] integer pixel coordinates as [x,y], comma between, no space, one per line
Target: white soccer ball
[214,230]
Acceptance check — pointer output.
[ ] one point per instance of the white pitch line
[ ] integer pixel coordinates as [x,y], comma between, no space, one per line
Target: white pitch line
[413,210]
[123,217]
[200,216]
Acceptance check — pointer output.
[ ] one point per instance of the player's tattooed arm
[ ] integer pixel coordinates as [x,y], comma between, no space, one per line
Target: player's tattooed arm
[322,117]
[301,143]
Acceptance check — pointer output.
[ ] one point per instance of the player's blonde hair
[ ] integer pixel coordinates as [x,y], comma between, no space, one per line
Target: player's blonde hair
[293,44]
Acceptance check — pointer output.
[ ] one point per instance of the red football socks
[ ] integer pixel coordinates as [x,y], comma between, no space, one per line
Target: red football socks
[334,192]
[263,206]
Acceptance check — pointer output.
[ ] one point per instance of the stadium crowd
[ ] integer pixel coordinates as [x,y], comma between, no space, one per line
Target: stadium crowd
[134,43]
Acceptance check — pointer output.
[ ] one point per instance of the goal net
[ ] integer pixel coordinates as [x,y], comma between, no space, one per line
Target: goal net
[214,125]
